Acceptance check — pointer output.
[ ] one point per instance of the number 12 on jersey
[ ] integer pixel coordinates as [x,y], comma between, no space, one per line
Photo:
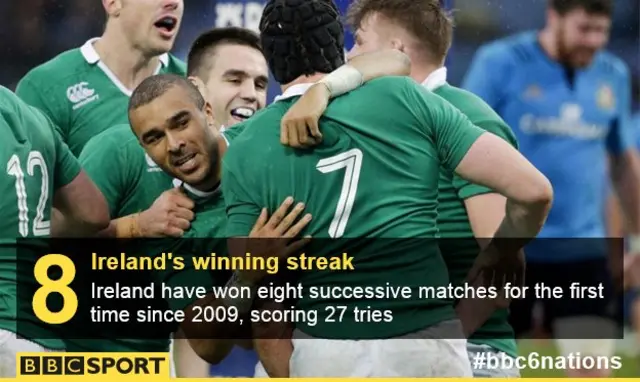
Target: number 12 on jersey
[41,227]
[351,161]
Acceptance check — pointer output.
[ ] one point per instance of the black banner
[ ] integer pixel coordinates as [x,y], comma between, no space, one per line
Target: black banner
[346,289]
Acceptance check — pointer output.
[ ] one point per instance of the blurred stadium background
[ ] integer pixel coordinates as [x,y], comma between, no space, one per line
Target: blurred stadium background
[40,29]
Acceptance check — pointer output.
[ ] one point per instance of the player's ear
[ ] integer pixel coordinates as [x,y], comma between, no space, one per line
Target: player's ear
[112,7]
[197,82]
[208,113]
[397,45]
[552,16]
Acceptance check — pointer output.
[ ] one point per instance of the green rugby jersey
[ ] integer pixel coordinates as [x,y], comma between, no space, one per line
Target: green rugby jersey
[80,94]
[374,176]
[453,221]
[209,223]
[128,178]
[130,182]
[35,163]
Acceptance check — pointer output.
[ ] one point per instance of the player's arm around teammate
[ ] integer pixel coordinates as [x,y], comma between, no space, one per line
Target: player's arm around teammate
[486,211]
[299,126]
[490,162]
[529,209]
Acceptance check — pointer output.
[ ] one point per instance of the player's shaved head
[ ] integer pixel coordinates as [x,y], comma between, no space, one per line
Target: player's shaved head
[155,86]
[203,50]
[429,26]
[174,125]
[301,38]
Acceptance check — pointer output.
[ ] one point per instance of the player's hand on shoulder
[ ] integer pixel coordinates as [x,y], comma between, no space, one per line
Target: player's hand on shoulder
[276,235]
[170,215]
[299,127]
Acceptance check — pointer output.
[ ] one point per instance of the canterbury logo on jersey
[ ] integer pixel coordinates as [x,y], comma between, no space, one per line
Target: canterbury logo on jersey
[80,94]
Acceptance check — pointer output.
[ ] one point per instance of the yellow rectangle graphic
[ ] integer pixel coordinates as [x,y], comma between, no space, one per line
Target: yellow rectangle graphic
[102,364]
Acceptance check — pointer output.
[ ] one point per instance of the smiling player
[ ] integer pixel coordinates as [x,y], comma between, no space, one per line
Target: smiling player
[227,66]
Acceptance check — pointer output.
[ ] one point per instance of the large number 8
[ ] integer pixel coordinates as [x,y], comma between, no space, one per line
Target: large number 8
[61,286]
[351,161]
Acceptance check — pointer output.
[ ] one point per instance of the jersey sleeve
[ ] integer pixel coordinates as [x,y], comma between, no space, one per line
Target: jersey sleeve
[37,97]
[451,131]
[485,75]
[466,189]
[622,135]
[67,166]
[109,167]
[242,211]
[188,276]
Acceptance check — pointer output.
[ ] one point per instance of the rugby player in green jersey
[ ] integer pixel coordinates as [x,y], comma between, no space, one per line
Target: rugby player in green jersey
[85,90]
[465,210]
[388,189]
[175,126]
[228,67]
[39,173]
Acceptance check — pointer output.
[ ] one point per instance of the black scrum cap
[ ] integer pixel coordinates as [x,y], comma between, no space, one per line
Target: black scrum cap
[301,37]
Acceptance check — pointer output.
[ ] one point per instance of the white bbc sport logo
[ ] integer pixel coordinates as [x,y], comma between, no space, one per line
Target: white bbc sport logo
[81,94]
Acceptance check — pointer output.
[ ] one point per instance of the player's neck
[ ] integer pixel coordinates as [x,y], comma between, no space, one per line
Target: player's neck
[547,41]
[128,64]
[419,73]
[311,79]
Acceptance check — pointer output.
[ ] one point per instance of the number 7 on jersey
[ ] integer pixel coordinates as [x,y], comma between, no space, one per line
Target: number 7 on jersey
[351,161]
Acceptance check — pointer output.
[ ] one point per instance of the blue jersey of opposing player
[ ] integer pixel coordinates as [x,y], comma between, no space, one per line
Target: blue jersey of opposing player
[565,127]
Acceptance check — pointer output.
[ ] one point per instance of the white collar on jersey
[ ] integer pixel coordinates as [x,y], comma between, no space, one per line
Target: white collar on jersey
[294,91]
[436,79]
[89,53]
[91,56]
[198,193]
[222,130]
